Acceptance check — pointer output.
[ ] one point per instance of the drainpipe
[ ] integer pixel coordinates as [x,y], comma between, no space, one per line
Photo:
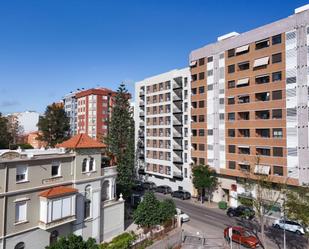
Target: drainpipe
[4,207]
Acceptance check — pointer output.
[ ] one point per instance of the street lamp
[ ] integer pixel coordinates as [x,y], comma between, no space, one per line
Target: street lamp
[284,232]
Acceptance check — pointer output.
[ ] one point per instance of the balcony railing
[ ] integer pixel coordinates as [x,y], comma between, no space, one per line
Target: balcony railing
[177,85]
[109,171]
[177,109]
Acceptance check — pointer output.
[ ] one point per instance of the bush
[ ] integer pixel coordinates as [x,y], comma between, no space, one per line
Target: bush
[122,241]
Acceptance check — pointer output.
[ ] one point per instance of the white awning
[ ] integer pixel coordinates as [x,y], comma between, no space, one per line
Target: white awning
[262,169]
[244,163]
[244,146]
[263,147]
[261,76]
[261,62]
[242,49]
[193,63]
[242,82]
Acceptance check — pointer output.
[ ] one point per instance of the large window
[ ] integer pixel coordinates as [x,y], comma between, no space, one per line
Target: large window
[276,39]
[20,211]
[276,58]
[277,151]
[277,133]
[262,44]
[231,68]
[21,173]
[277,76]
[277,114]
[243,65]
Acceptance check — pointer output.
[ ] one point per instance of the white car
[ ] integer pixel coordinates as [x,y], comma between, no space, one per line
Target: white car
[183,217]
[289,225]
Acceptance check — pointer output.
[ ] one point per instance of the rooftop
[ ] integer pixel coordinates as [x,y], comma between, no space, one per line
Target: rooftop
[58,191]
[80,141]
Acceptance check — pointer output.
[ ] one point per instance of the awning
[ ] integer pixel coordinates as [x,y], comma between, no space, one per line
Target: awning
[243,96]
[242,82]
[242,49]
[243,146]
[261,76]
[244,163]
[261,62]
[193,63]
[263,147]
[262,169]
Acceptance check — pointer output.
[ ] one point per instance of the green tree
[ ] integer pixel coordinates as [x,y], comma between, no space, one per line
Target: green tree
[204,180]
[74,242]
[167,209]
[54,125]
[120,140]
[297,204]
[122,241]
[148,212]
[5,135]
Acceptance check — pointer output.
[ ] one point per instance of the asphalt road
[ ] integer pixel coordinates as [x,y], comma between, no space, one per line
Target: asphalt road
[210,223]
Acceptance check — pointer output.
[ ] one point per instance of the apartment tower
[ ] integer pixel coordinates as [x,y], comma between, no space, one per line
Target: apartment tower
[250,104]
[162,125]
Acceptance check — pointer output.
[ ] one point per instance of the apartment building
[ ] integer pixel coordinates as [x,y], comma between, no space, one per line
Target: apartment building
[162,125]
[250,104]
[89,111]
[49,193]
[28,120]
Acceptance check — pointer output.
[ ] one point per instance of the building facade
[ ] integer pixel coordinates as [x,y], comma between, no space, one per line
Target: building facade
[45,194]
[70,107]
[28,120]
[250,104]
[162,128]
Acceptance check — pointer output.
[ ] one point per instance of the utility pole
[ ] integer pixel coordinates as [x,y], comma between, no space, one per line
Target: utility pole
[284,220]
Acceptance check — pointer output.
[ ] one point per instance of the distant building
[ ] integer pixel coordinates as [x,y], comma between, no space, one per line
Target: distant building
[42,199]
[28,120]
[32,139]
[70,107]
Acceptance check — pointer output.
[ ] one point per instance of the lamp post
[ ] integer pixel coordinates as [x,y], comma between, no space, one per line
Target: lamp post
[284,218]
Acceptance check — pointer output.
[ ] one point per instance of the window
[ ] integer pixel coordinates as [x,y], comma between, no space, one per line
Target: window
[277,133]
[244,115]
[232,165]
[201,147]
[201,90]
[210,73]
[231,53]
[263,133]
[244,150]
[244,167]
[278,171]
[194,104]
[276,39]
[21,173]
[194,133]
[263,151]
[262,114]
[232,148]
[20,211]
[201,104]
[231,132]
[231,84]
[194,91]
[201,75]
[202,161]
[278,151]
[244,132]
[194,146]
[276,58]
[277,95]
[91,164]
[20,245]
[277,114]
[264,96]
[84,165]
[201,62]
[201,118]
[231,116]
[230,100]
[194,118]
[194,77]
[210,132]
[55,170]
[262,44]
[276,76]
[201,132]
[231,68]
[242,99]
[210,87]
[262,79]
[87,203]
[210,59]
[243,66]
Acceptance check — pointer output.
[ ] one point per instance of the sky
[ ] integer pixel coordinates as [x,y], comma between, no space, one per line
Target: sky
[49,48]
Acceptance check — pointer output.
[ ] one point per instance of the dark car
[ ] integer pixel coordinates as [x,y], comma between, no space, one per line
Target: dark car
[182,194]
[138,186]
[164,189]
[149,186]
[241,211]
[241,236]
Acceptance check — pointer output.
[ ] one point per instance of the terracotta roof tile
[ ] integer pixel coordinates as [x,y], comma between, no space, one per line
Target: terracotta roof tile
[81,141]
[58,191]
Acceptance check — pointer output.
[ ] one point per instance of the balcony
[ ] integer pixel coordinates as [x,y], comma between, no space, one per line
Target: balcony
[177,133]
[177,109]
[109,171]
[177,146]
[141,113]
[177,97]
[141,123]
[177,174]
[142,92]
[177,121]
[57,207]
[177,83]
[177,157]
[141,103]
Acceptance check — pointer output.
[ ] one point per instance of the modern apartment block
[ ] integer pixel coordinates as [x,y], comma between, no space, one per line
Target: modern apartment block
[250,104]
[89,111]
[162,128]
[45,194]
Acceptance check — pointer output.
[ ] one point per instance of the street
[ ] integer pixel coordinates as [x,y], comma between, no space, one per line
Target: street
[210,223]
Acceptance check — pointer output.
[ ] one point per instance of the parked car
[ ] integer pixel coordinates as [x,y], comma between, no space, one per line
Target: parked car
[183,216]
[289,225]
[164,189]
[149,185]
[138,186]
[242,236]
[182,194]
[241,211]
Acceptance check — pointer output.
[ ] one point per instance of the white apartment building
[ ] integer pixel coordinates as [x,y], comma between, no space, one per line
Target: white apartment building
[162,128]
[70,107]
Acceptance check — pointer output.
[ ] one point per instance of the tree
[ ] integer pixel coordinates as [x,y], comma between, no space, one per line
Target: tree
[122,241]
[297,204]
[120,140]
[5,135]
[54,125]
[167,209]
[204,180]
[148,213]
[74,242]
[15,129]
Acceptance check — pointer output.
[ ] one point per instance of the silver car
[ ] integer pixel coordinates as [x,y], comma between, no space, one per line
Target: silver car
[289,225]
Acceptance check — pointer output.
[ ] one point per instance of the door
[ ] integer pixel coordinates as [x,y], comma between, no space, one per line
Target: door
[236,236]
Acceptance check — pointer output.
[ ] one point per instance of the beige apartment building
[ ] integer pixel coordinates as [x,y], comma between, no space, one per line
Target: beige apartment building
[250,105]
[47,193]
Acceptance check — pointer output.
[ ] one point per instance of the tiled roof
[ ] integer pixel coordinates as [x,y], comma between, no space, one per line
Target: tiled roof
[81,141]
[58,191]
